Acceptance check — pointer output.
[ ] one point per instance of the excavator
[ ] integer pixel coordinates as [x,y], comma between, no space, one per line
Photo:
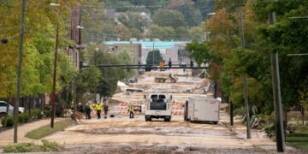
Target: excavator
[170,79]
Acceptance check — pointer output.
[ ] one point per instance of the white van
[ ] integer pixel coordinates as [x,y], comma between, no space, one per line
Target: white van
[158,106]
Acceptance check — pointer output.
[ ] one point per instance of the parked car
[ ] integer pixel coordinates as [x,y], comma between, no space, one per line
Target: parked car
[6,108]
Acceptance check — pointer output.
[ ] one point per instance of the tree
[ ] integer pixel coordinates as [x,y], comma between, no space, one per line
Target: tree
[229,60]
[200,52]
[181,33]
[169,18]
[107,84]
[87,81]
[39,46]
[154,57]
[191,14]
[134,20]
[196,33]
[94,22]
[205,6]
[163,33]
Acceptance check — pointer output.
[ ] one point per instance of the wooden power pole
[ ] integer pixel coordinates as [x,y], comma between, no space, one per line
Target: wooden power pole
[280,136]
[19,65]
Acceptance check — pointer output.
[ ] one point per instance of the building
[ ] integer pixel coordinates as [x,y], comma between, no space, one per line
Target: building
[168,49]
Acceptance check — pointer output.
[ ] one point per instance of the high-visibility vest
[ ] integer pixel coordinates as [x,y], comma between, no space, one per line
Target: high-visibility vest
[99,106]
[93,106]
[130,108]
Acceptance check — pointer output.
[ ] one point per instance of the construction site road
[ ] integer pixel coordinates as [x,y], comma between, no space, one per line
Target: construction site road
[123,135]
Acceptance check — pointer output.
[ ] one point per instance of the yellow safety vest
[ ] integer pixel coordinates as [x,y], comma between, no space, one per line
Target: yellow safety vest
[130,108]
[93,106]
[99,106]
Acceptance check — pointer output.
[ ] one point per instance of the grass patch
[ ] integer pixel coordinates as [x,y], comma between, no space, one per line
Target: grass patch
[299,139]
[30,147]
[46,130]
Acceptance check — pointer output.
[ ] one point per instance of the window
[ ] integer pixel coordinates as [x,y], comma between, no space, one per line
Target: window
[2,104]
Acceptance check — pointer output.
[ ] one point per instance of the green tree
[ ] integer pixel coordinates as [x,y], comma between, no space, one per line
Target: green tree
[169,18]
[87,81]
[154,57]
[163,33]
[110,76]
[200,52]
[191,14]
[39,46]
[230,61]
[196,33]
[134,20]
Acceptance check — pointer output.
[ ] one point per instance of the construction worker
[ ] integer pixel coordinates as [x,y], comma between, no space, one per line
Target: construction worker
[170,63]
[88,111]
[131,111]
[98,107]
[162,65]
[106,110]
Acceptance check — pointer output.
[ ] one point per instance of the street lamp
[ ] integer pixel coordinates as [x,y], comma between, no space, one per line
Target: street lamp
[54,4]
[53,95]
[300,17]
[211,14]
[205,26]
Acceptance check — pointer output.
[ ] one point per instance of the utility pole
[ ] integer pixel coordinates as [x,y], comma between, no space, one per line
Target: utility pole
[245,84]
[19,65]
[54,81]
[231,113]
[248,131]
[153,55]
[280,136]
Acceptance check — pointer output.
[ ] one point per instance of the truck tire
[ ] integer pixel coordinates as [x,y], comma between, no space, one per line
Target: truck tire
[148,118]
[167,119]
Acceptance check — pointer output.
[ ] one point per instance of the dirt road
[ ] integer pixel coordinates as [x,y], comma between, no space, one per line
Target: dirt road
[123,135]
[120,135]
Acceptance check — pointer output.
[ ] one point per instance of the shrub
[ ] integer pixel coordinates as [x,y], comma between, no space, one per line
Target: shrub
[7,121]
[23,117]
[3,121]
[30,147]
[47,111]
[21,147]
[36,114]
[50,146]
[269,129]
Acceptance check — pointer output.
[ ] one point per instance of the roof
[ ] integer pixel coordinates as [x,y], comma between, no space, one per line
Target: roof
[150,44]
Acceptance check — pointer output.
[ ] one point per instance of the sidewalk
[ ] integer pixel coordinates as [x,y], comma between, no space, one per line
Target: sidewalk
[7,136]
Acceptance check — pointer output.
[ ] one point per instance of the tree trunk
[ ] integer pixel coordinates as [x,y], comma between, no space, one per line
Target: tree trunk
[303,115]
[285,123]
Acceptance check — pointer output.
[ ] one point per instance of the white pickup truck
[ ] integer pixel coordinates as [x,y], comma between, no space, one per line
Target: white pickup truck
[158,106]
[6,108]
